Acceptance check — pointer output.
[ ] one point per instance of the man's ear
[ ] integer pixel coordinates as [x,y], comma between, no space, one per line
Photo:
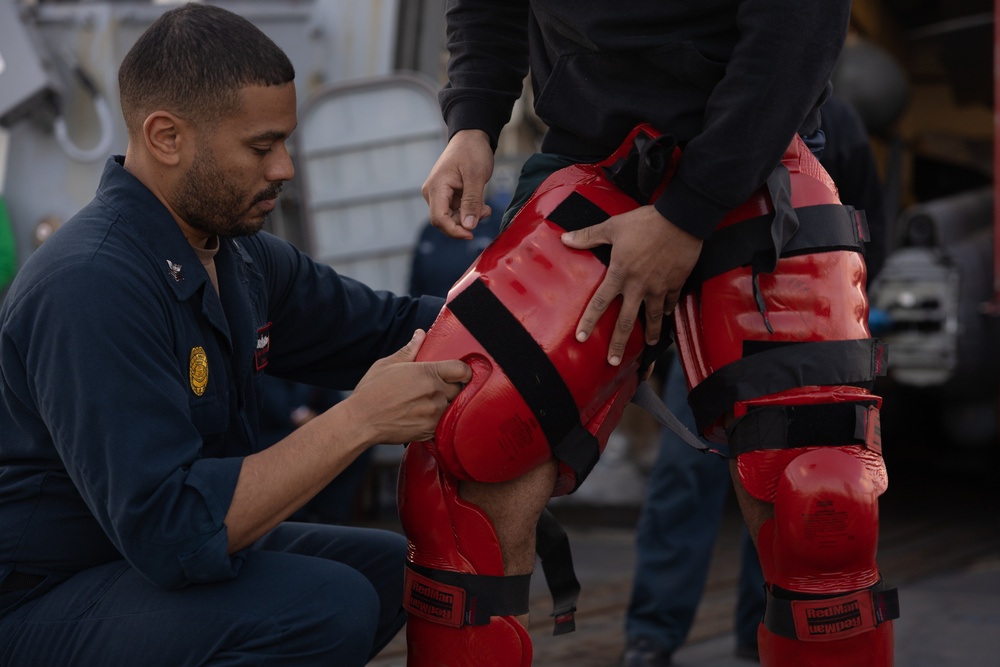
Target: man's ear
[165,136]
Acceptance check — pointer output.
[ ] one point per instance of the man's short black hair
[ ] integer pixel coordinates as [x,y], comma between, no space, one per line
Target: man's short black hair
[193,61]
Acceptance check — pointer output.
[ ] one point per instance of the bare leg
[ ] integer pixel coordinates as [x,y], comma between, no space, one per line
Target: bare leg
[514,508]
[755,512]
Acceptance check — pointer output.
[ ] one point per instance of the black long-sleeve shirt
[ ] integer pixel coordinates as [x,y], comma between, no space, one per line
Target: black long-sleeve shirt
[732,80]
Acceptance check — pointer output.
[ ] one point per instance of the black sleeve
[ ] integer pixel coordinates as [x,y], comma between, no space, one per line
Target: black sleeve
[488,46]
[776,79]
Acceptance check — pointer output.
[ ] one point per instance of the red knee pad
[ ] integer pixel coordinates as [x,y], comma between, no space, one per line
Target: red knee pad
[536,392]
[825,524]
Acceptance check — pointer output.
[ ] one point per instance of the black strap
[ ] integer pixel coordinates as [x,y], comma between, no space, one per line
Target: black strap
[486,595]
[825,227]
[552,547]
[532,374]
[786,218]
[647,399]
[779,613]
[644,168]
[823,363]
[576,212]
[783,227]
[787,426]
[579,450]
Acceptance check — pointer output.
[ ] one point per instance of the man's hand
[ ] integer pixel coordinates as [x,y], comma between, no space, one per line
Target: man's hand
[650,260]
[456,186]
[399,400]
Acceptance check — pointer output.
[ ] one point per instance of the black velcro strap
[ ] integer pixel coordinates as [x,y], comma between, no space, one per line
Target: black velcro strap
[822,228]
[820,363]
[580,451]
[787,426]
[817,618]
[531,372]
[647,399]
[485,595]
[552,547]
[576,212]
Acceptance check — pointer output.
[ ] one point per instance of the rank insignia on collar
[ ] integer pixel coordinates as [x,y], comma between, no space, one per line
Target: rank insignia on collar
[175,271]
[198,370]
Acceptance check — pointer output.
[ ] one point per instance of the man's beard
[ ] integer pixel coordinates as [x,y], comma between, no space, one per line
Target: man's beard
[210,203]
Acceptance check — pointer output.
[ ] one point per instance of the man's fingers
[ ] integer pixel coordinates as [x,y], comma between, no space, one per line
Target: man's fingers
[650,260]
[409,351]
[454,372]
[654,319]
[472,207]
[606,292]
[670,303]
[588,237]
[443,214]
[456,185]
[623,329]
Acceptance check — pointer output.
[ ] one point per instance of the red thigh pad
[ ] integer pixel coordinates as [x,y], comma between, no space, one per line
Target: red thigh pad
[536,391]
[793,337]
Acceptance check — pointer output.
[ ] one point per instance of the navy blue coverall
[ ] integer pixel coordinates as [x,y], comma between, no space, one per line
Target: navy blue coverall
[130,394]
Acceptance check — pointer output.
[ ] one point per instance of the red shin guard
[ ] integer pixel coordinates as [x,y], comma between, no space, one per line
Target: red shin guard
[447,533]
[826,606]
[537,392]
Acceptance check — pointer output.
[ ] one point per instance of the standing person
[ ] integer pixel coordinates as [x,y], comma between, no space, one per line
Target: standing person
[739,85]
[686,491]
[142,520]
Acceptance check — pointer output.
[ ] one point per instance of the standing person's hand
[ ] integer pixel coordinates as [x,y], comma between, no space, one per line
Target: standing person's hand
[650,260]
[455,189]
[399,400]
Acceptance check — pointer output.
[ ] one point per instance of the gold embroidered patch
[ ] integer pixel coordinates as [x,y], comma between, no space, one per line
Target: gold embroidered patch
[198,370]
